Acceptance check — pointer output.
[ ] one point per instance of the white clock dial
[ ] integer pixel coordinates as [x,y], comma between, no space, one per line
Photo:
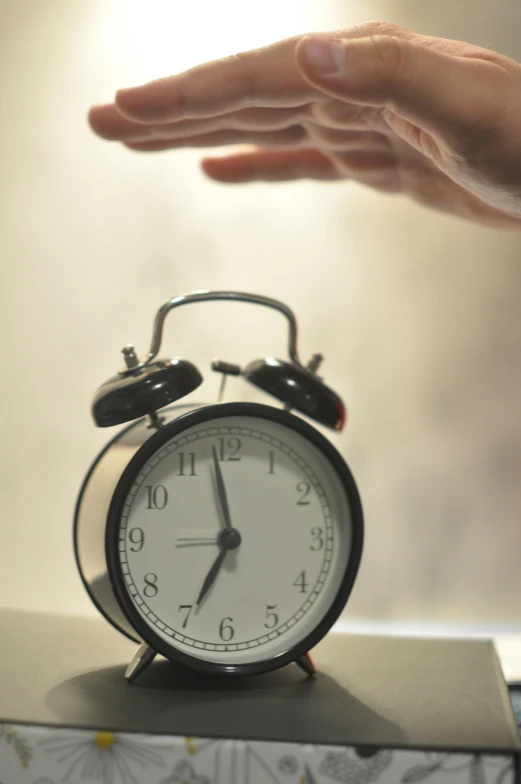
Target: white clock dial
[243,573]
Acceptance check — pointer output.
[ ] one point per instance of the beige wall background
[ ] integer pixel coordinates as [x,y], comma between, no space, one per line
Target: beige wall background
[418,314]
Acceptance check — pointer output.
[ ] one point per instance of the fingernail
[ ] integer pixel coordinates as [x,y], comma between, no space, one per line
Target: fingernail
[325,57]
[124,91]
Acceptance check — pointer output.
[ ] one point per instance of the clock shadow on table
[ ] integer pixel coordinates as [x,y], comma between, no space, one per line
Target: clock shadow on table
[284,705]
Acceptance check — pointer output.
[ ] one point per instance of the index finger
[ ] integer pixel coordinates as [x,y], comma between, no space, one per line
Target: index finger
[267,77]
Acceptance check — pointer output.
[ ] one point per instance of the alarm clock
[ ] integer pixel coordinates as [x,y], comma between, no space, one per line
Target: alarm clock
[226,537]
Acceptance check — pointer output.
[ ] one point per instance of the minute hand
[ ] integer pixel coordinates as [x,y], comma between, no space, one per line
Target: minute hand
[221,490]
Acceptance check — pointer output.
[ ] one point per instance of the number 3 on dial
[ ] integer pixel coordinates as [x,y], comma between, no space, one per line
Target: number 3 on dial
[269,505]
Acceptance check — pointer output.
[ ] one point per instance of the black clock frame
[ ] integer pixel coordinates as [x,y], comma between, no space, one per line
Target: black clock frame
[166,433]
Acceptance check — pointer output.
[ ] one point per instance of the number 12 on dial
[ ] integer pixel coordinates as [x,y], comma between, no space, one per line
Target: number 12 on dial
[237,534]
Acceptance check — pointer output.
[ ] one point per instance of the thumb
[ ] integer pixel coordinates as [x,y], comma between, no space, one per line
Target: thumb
[441,93]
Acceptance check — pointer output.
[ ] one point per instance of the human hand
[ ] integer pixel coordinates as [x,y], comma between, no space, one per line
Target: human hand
[434,119]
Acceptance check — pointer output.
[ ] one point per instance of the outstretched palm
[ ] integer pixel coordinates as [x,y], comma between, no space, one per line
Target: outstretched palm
[434,119]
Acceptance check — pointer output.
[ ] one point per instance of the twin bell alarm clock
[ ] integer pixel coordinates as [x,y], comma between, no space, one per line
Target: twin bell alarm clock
[225,537]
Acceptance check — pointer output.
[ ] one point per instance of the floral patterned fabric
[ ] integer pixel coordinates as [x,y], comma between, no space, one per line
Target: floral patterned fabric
[50,755]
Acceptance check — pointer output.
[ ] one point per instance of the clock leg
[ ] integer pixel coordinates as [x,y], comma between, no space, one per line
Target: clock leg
[140,661]
[306,663]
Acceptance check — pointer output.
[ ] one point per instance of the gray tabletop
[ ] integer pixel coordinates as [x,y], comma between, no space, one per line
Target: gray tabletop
[384,691]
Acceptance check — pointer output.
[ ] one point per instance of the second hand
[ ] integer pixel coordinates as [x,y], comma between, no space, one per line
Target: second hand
[189,541]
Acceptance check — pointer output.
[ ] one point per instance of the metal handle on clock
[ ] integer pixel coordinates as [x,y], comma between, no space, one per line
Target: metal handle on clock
[229,296]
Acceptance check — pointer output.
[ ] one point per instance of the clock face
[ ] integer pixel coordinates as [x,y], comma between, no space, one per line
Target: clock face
[238,536]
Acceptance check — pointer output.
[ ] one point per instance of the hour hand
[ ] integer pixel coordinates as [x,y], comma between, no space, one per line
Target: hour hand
[229,539]
[212,574]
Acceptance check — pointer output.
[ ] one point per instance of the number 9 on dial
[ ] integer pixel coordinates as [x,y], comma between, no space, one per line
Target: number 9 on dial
[225,537]
[233,539]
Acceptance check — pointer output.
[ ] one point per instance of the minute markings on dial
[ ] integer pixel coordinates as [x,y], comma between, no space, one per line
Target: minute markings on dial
[317,580]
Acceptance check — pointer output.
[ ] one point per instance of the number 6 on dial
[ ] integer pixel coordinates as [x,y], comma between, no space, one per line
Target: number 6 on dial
[226,537]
